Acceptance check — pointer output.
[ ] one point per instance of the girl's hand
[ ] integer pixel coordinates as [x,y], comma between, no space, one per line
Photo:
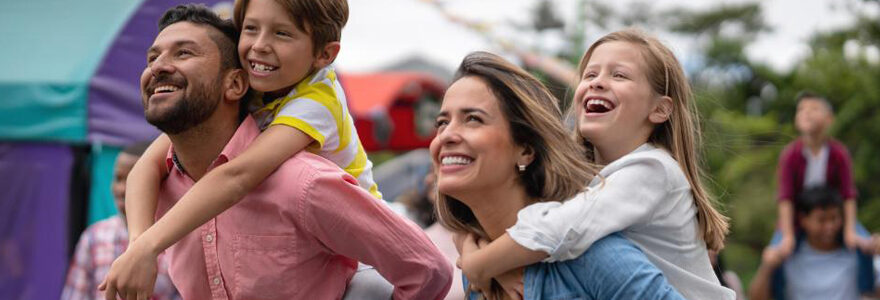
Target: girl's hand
[470,244]
[512,283]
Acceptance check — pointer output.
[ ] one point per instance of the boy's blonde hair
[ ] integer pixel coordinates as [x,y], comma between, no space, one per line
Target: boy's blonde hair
[323,20]
[558,171]
[680,135]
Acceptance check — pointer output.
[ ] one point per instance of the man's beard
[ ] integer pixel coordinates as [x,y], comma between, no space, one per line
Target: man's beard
[194,108]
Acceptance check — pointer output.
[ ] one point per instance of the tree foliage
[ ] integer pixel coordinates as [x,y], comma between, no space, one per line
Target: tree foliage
[748,111]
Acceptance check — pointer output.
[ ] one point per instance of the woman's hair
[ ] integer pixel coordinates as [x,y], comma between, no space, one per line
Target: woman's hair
[558,170]
[680,135]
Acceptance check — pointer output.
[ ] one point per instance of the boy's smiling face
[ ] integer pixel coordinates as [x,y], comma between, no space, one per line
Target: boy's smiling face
[813,117]
[274,51]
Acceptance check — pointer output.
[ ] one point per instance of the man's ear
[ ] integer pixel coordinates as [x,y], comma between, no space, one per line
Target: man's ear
[662,110]
[235,84]
[326,55]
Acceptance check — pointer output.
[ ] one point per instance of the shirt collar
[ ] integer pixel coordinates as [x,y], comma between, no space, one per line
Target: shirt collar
[245,134]
[823,152]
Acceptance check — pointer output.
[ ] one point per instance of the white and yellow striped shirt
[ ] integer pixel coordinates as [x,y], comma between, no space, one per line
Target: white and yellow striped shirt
[317,107]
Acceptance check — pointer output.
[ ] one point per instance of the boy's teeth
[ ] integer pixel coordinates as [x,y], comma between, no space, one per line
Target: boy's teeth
[456,160]
[262,67]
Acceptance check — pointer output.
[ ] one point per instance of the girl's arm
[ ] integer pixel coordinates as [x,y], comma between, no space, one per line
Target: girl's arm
[142,187]
[224,186]
[480,263]
[566,230]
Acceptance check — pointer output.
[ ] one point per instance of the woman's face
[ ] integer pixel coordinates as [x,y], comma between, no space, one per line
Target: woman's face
[473,149]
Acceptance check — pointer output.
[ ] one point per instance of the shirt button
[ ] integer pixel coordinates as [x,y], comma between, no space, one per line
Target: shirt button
[209,238]
[216,280]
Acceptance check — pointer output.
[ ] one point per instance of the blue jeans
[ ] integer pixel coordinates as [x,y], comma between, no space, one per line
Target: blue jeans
[866,275]
[612,268]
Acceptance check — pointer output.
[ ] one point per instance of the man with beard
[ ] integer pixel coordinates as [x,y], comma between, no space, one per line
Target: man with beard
[299,235]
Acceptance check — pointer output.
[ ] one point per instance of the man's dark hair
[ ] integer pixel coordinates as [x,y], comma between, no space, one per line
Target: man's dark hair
[136,149]
[818,197]
[226,40]
[815,97]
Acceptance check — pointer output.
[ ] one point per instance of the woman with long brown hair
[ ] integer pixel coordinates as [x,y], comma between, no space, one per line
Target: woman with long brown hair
[501,146]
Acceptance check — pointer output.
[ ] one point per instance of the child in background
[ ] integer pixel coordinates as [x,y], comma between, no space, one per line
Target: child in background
[636,116]
[822,267]
[814,159]
[105,240]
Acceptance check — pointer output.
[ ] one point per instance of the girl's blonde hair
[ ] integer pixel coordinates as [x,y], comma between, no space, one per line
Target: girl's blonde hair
[680,135]
[558,171]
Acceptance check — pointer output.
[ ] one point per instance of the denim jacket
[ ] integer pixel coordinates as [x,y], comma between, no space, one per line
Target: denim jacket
[612,268]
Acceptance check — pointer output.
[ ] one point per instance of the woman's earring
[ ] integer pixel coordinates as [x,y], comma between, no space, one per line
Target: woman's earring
[522,168]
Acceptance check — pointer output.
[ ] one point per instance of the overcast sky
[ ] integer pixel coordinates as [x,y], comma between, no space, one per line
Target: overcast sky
[381,32]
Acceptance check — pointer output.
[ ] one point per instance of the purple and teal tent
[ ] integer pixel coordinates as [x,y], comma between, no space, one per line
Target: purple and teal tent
[69,101]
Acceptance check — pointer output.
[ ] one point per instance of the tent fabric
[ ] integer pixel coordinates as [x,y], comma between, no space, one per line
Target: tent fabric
[388,108]
[115,110]
[33,219]
[101,203]
[378,91]
[50,50]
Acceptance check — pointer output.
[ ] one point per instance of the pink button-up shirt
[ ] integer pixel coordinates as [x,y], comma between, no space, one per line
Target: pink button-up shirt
[299,235]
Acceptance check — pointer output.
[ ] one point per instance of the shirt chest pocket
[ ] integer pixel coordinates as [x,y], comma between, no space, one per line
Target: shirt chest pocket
[264,267]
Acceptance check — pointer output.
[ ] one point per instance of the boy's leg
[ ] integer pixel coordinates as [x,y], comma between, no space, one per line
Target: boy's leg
[367,284]
[776,238]
[862,231]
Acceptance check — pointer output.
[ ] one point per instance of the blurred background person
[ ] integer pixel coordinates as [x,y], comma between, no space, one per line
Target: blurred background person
[820,267]
[419,203]
[102,242]
[815,159]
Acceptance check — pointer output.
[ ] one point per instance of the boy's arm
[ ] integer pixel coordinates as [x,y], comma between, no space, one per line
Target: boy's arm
[760,287]
[135,271]
[501,255]
[224,186]
[786,227]
[848,190]
[142,187]
[850,218]
[350,222]
[785,198]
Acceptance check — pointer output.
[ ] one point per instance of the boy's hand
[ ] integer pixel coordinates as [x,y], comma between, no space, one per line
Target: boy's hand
[785,247]
[871,246]
[772,257]
[852,240]
[132,275]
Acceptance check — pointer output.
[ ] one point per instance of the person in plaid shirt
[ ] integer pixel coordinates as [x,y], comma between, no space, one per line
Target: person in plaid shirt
[104,241]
